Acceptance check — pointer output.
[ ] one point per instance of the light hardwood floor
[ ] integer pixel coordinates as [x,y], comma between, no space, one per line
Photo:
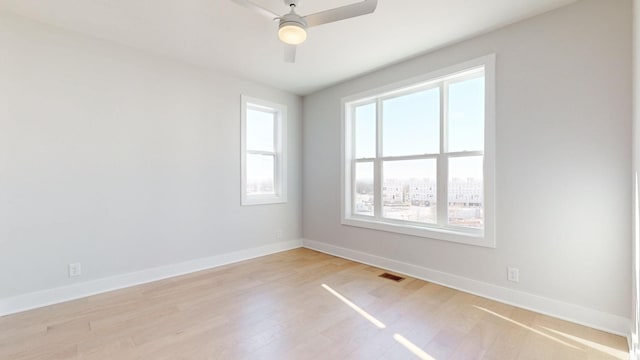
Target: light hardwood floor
[298,304]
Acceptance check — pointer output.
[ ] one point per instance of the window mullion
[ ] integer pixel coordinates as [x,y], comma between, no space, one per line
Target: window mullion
[466,153]
[353,186]
[262,152]
[377,166]
[277,177]
[444,116]
[443,192]
[442,181]
[408,157]
[352,159]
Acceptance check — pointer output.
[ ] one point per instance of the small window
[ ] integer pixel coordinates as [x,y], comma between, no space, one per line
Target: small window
[263,152]
[418,156]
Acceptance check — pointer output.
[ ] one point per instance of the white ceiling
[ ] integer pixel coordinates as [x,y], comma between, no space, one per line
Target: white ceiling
[225,36]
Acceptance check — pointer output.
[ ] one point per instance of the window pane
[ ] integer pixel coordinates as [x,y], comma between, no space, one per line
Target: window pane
[260,174]
[466,115]
[363,201]
[260,130]
[365,128]
[466,197]
[411,124]
[409,190]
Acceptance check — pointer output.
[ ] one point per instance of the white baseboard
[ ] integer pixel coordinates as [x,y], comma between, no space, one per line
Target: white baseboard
[575,313]
[61,294]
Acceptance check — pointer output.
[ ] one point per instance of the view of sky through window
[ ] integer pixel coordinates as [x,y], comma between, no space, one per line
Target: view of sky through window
[365,129]
[260,127]
[466,115]
[411,124]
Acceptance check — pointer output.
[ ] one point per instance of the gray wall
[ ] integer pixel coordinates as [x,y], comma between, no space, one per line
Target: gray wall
[563,155]
[122,161]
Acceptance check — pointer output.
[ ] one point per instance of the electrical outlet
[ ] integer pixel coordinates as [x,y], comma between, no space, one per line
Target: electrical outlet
[75,270]
[513,274]
[279,234]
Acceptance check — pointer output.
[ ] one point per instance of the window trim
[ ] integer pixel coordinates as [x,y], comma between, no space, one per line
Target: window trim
[485,237]
[280,161]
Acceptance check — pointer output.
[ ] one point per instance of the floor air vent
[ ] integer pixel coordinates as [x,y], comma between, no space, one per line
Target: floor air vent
[392,277]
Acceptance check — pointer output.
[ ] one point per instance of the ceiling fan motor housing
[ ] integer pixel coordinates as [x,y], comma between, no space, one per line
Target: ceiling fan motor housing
[292,19]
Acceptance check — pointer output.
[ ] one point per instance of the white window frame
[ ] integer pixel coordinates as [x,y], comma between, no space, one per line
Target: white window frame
[480,237]
[280,146]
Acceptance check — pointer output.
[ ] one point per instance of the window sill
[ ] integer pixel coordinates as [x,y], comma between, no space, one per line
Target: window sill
[263,200]
[469,238]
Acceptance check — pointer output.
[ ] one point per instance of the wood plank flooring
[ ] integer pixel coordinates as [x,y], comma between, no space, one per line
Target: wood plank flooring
[276,307]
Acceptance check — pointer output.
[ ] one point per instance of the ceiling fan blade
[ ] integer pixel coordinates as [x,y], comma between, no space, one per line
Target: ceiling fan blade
[341,13]
[257,8]
[290,53]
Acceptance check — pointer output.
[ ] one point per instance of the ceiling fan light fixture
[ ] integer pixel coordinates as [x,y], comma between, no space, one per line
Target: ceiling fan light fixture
[293,29]
[292,34]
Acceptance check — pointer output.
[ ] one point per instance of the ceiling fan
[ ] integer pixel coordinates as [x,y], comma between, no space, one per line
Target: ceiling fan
[293,28]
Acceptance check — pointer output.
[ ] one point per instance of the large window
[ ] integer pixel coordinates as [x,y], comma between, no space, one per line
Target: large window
[418,156]
[263,152]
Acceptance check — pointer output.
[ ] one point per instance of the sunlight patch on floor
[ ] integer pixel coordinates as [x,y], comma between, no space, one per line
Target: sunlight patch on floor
[355,307]
[536,331]
[594,345]
[412,347]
